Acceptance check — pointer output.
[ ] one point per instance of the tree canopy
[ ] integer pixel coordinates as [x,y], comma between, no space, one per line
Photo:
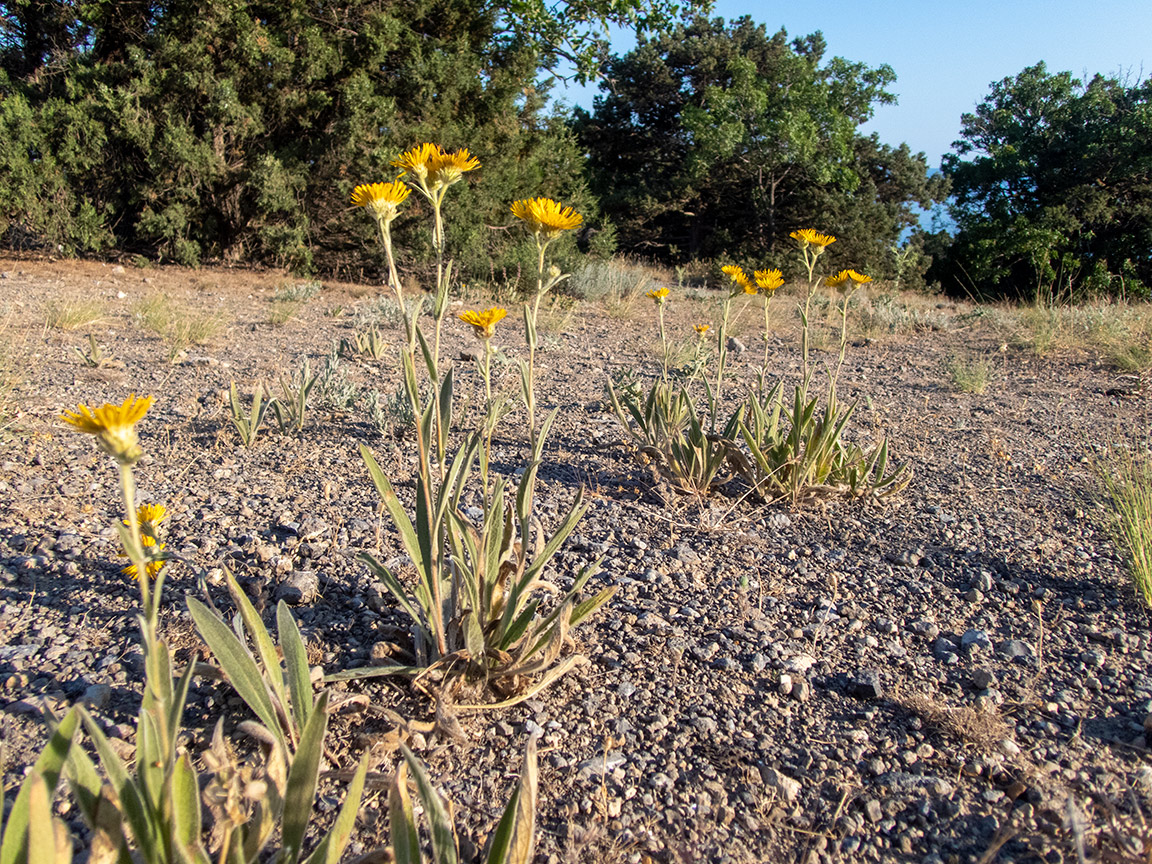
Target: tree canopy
[192,129]
[717,139]
[1052,178]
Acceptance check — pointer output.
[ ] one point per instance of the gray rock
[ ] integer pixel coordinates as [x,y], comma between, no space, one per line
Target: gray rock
[866,684]
[736,346]
[301,586]
[1014,649]
[784,786]
[873,811]
[982,679]
[97,696]
[973,640]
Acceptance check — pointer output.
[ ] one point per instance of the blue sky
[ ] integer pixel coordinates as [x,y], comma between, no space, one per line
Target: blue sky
[946,55]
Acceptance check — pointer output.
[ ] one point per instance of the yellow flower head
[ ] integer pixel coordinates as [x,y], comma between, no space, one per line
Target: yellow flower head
[484,323]
[449,168]
[769,280]
[809,237]
[848,276]
[419,161]
[381,199]
[114,426]
[545,217]
[701,329]
[739,278]
[659,295]
[151,548]
[150,515]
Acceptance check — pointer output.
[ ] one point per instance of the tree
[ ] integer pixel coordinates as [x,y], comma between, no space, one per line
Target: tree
[239,129]
[1052,178]
[720,140]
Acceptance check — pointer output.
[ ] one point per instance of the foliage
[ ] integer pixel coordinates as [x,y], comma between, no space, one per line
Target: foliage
[716,139]
[512,842]
[152,813]
[248,422]
[474,601]
[1126,475]
[292,407]
[800,451]
[32,834]
[1051,177]
[279,695]
[237,127]
[94,357]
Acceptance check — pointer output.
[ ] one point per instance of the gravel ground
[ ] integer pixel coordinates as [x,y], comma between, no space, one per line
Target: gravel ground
[962,672]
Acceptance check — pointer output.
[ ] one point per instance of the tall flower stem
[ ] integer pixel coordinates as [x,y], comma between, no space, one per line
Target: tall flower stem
[663,340]
[441,303]
[394,281]
[148,598]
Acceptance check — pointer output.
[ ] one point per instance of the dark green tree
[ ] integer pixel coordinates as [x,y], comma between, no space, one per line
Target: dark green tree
[719,140]
[1052,177]
[195,129]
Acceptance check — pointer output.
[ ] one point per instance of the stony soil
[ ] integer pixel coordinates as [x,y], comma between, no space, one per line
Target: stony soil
[924,680]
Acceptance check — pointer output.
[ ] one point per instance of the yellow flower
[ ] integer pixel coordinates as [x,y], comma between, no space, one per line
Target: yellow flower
[769,280]
[150,516]
[848,276]
[543,216]
[114,426]
[418,161]
[659,295]
[433,167]
[738,277]
[151,547]
[449,168]
[484,323]
[701,329]
[381,199]
[810,237]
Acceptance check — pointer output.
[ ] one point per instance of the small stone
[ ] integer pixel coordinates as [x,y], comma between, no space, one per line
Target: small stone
[982,679]
[801,690]
[1008,747]
[866,685]
[97,696]
[873,811]
[1014,649]
[973,640]
[736,346]
[785,786]
[785,685]
[300,587]
[800,664]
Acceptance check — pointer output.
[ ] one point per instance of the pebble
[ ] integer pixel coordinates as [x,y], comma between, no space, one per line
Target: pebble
[866,685]
[97,696]
[782,784]
[301,586]
[975,639]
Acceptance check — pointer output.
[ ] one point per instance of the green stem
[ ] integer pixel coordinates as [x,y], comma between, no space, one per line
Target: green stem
[148,623]
[394,281]
[663,341]
[441,288]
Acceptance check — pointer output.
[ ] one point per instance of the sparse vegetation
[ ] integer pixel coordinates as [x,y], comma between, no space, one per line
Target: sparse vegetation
[73,314]
[969,376]
[1126,474]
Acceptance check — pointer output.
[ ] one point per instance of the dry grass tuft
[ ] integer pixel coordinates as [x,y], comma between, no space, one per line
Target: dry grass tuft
[177,326]
[73,314]
[964,724]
